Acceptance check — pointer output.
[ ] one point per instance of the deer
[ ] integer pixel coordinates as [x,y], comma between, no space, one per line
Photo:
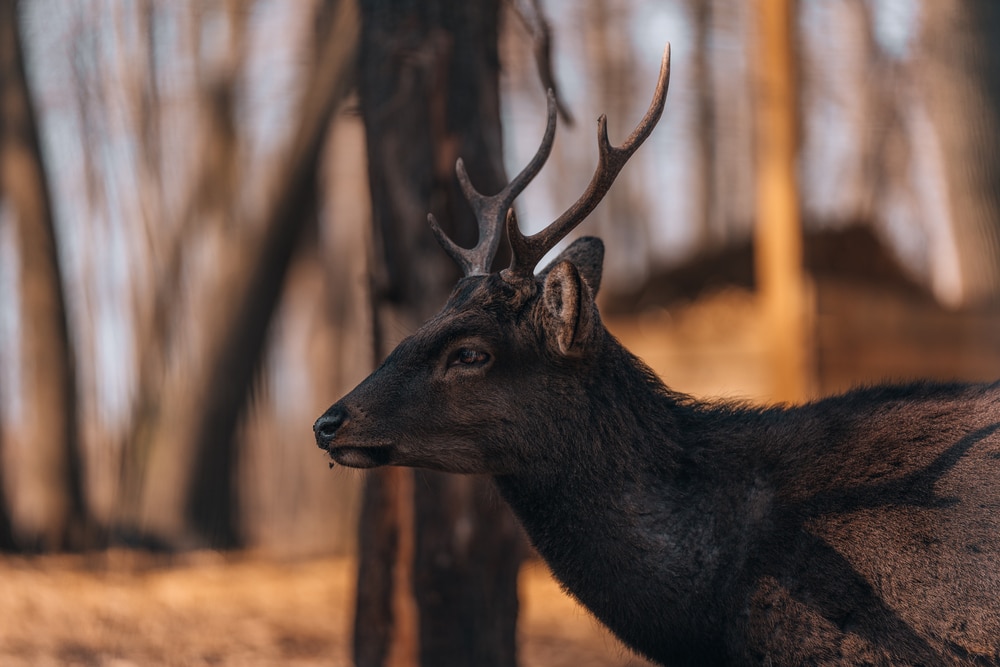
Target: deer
[857,529]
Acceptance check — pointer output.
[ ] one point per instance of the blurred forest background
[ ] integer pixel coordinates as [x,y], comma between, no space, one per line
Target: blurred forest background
[192,267]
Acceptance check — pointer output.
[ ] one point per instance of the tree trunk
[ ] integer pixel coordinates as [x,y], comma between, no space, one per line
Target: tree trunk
[620,219]
[778,232]
[958,73]
[439,555]
[193,446]
[6,532]
[708,231]
[6,529]
[51,512]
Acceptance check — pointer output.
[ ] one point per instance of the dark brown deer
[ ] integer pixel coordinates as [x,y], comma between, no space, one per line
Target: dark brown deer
[858,529]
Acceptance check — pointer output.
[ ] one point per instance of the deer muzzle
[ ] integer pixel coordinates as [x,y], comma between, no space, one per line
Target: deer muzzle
[352,452]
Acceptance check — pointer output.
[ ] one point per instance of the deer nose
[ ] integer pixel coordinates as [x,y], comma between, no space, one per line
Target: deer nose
[326,426]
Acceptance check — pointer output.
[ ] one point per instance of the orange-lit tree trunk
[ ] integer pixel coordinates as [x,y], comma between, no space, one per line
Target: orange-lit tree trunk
[439,555]
[778,232]
[49,462]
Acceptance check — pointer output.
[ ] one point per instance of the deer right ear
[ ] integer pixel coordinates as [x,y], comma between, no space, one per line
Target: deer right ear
[569,309]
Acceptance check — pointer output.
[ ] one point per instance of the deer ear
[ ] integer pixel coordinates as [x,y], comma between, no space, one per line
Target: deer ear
[569,308]
[587,255]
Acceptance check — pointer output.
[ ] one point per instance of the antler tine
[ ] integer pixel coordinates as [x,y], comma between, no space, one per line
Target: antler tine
[529,250]
[490,211]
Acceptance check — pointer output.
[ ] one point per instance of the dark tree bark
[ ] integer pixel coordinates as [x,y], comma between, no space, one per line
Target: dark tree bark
[439,554]
[958,72]
[50,378]
[6,534]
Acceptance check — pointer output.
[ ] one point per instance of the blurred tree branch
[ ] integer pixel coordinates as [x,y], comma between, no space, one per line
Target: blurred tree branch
[532,16]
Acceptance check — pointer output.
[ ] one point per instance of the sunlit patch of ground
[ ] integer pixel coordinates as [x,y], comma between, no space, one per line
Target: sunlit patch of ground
[121,609]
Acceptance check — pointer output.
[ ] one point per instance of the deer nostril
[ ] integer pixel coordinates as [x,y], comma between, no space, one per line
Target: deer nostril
[326,426]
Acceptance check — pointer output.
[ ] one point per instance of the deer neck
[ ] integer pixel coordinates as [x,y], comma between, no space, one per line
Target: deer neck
[616,519]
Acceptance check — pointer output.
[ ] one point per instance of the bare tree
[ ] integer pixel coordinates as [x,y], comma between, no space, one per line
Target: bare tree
[438,555]
[161,444]
[704,120]
[621,219]
[191,435]
[959,78]
[49,460]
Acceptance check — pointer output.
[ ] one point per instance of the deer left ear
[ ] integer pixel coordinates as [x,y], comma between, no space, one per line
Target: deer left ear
[587,255]
[569,309]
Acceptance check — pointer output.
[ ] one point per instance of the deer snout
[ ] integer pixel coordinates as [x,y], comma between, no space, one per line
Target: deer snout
[326,426]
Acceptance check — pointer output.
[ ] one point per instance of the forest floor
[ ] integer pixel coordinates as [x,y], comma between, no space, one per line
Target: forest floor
[124,609]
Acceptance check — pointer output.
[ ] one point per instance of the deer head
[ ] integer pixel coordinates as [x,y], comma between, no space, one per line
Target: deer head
[509,351]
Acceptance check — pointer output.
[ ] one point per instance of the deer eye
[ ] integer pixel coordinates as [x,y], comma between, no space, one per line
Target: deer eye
[466,356]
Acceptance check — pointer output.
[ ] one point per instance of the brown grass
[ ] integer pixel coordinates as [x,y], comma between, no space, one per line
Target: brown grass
[120,609]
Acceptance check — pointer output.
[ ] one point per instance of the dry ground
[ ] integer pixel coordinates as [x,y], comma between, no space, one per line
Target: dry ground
[121,609]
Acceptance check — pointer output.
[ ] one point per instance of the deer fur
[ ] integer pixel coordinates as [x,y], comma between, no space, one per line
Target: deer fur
[858,529]
[861,529]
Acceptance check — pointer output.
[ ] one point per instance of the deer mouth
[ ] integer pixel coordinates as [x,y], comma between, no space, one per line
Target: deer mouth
[361,457]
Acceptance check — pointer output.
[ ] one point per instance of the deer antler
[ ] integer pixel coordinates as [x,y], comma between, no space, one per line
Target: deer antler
[490,211]
[528,250]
